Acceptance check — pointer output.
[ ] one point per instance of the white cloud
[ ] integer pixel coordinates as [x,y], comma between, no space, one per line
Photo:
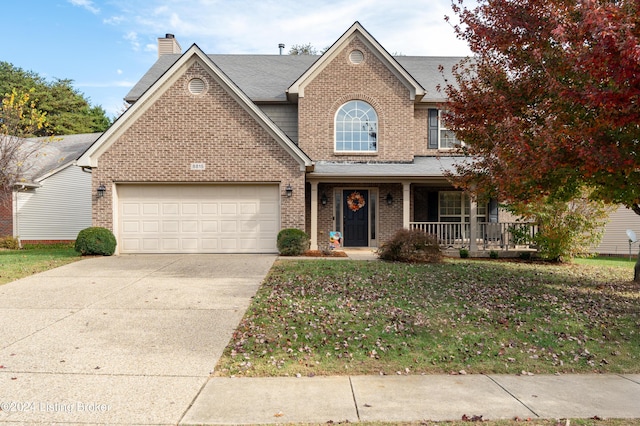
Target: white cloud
[87,4]
[258,26]
[114,20]
[132,37]
[119,72]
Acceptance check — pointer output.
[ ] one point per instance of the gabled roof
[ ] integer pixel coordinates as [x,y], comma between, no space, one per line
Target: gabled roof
[266,78]
[54,154]
[357,30]
[163,80]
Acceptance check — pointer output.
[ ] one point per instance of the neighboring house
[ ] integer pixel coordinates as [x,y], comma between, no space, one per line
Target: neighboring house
[615,240]
[217,153]
[52,202]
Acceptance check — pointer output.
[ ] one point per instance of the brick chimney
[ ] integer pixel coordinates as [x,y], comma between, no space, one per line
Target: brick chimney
[168,45]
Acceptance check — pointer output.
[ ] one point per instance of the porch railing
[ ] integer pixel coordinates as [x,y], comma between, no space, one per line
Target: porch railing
[489,235]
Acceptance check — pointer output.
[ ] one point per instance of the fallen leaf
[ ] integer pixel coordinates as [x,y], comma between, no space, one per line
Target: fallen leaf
[466,418]
[278,414]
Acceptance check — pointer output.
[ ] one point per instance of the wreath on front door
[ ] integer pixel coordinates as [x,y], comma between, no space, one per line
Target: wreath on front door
[355,201]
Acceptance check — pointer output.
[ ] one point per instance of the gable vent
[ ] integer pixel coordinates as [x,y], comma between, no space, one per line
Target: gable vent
[356,57]
[196,86]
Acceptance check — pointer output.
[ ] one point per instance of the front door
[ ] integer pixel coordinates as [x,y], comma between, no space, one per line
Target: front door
[356,218]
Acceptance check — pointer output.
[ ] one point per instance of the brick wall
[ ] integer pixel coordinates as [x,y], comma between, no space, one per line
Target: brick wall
[341,81]
[180,128]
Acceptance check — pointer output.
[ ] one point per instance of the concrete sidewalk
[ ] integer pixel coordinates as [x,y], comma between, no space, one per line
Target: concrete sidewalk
[413,398]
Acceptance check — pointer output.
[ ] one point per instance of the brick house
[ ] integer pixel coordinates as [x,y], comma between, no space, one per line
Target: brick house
[217,153]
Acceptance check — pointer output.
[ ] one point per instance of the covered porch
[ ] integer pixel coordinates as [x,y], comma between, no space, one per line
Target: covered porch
[368,203]
[503,236]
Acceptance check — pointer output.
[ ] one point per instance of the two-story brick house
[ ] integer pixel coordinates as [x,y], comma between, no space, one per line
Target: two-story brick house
[217,153]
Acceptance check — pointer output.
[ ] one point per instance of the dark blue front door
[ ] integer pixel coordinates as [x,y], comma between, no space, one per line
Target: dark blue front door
[356,218]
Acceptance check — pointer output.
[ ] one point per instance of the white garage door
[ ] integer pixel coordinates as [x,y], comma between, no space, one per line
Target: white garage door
[198,218]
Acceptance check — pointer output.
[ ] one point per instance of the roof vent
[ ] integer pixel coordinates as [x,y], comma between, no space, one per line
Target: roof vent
[196,86]
[281,47]
[356,57]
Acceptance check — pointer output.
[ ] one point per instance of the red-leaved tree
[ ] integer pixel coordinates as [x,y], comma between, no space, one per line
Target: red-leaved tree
[550,101]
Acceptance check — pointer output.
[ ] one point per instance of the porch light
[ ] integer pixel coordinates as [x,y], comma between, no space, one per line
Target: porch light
[389,199]
[101,190]
[323,199]
[289,191]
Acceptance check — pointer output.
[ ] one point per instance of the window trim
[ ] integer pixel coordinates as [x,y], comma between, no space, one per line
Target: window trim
[441,128]
[376,141]
[464,208]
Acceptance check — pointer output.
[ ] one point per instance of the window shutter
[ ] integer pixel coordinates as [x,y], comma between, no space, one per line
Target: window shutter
[432,200]
[433,129]
[493,210]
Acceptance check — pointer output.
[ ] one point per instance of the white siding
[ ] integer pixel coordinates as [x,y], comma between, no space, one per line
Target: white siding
[615,240]
[58,210]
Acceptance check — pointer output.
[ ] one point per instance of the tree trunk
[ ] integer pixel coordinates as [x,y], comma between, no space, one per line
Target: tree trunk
[636,269]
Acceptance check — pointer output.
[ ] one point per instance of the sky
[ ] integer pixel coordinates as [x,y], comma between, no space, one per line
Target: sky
[105,46]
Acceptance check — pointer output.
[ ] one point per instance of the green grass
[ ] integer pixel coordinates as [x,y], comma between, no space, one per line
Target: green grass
[513,422]
[319,317]
[621,262]
[16,264]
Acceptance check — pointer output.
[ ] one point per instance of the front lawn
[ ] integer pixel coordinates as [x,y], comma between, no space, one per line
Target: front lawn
[321,317]
[617,261]
[15,264]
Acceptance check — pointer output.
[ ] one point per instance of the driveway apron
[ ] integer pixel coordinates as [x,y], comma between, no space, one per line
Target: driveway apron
[119,340]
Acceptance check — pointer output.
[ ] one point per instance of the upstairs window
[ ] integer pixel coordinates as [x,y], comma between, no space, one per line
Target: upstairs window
[356,127]
[446,138]
[439,136]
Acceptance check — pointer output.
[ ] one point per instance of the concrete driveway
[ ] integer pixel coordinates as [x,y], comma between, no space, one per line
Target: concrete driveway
[126,339]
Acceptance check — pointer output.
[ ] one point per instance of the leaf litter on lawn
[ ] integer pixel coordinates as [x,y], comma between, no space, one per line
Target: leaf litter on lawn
[319,317]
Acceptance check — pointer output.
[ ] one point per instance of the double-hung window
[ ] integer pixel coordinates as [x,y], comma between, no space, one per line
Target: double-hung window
[455,206]
[356,128]
[440,137]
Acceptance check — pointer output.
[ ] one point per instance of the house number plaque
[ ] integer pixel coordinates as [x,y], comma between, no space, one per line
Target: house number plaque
[198,166]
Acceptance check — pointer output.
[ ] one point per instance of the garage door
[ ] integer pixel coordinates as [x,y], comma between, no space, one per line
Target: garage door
[198,218]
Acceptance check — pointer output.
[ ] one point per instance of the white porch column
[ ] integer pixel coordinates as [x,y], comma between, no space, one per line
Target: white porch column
[473,225]
[406,204]
[314,216]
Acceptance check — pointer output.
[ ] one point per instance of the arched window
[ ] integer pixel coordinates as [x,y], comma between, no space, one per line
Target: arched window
[356,127]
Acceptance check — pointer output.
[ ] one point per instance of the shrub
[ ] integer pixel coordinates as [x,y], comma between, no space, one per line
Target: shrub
[292,242]
[411,246]
[525,255]
[95,240]
[565,229]
[10,243]
[464,253]
[493,254]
